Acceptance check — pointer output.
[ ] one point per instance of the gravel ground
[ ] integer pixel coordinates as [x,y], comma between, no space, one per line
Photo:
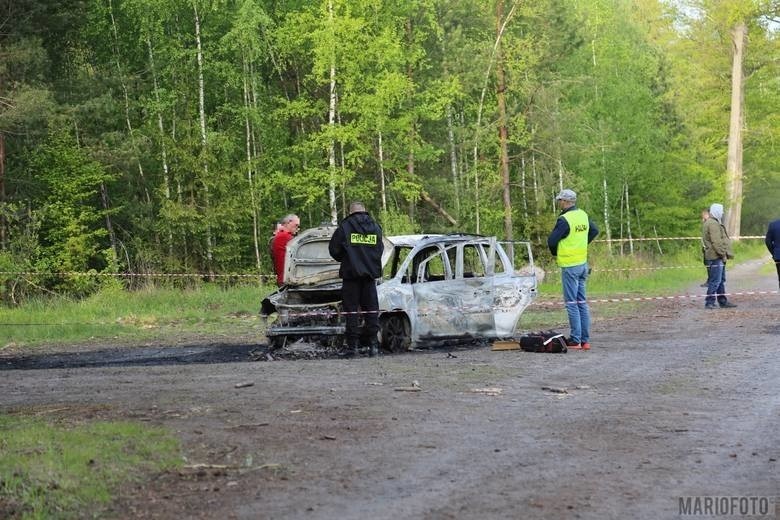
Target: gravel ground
[672,402]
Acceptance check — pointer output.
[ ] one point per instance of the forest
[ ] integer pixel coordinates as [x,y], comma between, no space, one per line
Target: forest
[168,136]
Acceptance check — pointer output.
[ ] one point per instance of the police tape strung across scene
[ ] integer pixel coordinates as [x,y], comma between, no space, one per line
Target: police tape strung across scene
[725,506]
[272,276]
[657,239]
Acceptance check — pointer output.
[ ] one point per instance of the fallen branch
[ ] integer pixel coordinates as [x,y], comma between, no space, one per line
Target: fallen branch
[427,198]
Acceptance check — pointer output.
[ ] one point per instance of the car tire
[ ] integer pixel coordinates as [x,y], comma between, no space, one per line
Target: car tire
[396,333]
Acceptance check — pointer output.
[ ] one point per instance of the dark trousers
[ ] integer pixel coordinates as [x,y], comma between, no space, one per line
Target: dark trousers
[777,264]
[359,294]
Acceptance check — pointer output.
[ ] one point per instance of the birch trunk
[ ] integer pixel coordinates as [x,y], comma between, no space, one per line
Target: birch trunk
[3,224]
[382,187]
[109,226]
[453,159]
[536,184]
[736,125]
[628,221]
[249,167]
[607,226]
[163,148]
[621,221]
[607,230]
[523,187]
[331,124]
[203,141]
[129,125]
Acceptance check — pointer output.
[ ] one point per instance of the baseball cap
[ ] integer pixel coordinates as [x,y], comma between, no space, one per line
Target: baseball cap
[566,194]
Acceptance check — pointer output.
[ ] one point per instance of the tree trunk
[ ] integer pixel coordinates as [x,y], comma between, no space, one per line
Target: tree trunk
[249,166]
[202,112]
[736,125]
[382,187]
[453,159]
[163,148]
[129,125]
[502,27]
[607,226]
[109,226]
[3,223]
[334,217]
[628,221]
[503,132]
[536,183]
[427,198]
[523,188]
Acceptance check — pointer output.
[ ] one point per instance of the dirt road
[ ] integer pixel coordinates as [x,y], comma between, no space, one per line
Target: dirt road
[673,402]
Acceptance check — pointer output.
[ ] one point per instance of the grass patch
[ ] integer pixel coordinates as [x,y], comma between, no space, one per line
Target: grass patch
[118,315]
[52,470]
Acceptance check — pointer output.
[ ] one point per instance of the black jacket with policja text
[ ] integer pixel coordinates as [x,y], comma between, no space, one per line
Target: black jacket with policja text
[357,244]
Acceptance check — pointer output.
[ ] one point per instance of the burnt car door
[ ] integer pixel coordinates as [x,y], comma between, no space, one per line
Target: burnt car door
[453,291]
[438,311]
[474,279]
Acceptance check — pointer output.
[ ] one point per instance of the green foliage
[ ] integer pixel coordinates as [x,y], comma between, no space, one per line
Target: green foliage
[395,223]
[72,238]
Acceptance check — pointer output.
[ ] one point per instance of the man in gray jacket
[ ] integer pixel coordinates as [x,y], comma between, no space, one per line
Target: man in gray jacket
[717,250]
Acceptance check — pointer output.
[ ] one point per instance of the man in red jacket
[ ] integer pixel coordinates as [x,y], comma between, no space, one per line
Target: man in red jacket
[288,229]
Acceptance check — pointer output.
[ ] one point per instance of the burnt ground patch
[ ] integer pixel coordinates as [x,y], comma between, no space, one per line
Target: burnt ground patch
[303,349]
[136,356]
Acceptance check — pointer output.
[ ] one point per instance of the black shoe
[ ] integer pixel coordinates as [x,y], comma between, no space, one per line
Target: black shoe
[710,306]
[373,349]
[728,305]
[353,349]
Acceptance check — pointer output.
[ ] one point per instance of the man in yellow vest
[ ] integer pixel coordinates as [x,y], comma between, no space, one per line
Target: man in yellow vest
[568,242]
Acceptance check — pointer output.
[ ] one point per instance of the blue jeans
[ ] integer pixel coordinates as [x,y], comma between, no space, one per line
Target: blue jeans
[573,280]
[716,282]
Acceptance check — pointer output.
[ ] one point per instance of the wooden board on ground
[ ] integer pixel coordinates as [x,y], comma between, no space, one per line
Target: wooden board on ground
[505,345]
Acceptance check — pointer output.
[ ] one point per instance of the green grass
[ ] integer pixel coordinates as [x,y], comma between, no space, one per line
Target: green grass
[58,470]
[147,314]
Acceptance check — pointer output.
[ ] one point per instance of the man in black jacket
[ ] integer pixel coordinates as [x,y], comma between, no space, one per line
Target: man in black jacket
[773,244]
[357,244]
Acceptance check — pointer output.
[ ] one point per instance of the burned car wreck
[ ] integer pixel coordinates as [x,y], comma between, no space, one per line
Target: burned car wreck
[434,289]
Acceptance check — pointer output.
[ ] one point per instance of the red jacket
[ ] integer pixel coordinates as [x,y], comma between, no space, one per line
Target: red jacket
[278,251]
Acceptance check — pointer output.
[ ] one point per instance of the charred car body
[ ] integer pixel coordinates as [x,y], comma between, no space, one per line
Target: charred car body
[434,288]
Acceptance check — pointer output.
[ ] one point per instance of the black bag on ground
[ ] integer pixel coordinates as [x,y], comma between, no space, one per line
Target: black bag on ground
[546,341]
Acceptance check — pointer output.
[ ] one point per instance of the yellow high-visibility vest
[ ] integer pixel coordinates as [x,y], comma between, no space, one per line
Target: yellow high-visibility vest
[573,250]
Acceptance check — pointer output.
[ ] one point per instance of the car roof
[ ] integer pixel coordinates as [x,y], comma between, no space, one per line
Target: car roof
[415,240]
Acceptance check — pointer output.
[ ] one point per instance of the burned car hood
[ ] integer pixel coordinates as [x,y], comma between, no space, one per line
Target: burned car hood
[308,261]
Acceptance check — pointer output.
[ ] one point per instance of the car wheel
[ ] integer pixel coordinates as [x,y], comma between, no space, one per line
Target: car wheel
[396,333]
